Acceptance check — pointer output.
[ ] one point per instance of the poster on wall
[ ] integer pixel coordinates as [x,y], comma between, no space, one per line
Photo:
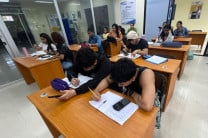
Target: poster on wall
[195,10]
[128,12]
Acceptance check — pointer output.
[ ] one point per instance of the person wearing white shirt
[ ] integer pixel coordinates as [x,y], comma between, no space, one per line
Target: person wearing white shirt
[46,44]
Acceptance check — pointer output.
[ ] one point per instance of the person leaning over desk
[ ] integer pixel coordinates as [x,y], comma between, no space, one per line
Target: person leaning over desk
[90,64]
[137,82]
[136,44]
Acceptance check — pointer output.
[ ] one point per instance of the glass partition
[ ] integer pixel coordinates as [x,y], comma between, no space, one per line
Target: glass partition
[79,18]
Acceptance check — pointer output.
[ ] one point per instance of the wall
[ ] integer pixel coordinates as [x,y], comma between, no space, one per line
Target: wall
[182,13]
[139,14]
[36,16]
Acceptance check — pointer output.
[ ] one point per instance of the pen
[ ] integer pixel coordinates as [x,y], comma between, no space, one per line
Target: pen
[102,103]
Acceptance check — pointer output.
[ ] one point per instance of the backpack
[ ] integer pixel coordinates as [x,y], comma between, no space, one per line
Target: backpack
[59,84]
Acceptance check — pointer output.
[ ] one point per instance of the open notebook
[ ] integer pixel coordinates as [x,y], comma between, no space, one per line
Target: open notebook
[129,55]
[83,79]
[105,105]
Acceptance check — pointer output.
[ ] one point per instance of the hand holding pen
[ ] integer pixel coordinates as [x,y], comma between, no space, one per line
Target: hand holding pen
[95,96]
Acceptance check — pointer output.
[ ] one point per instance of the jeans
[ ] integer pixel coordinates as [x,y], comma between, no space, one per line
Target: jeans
[66,65]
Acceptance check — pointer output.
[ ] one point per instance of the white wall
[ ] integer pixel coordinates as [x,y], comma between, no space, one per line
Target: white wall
[139,14]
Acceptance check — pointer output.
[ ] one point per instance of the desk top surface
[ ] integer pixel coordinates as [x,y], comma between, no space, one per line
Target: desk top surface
[77,118]
[168,67]
[183,48]
[76,47]
[184,39]
[30,62]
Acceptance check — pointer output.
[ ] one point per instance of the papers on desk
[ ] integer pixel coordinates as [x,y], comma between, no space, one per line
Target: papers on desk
[157,59]
[105,105]
[129,55]
[45,57]
[83,79]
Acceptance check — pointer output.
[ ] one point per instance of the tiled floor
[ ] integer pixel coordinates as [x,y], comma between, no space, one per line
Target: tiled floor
[185,117]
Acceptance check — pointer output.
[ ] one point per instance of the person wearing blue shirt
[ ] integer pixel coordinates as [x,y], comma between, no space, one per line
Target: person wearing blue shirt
[180,31]
[95,39]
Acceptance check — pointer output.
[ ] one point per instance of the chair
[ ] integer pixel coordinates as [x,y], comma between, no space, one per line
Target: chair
[196,30]
[161,86]
[114,48]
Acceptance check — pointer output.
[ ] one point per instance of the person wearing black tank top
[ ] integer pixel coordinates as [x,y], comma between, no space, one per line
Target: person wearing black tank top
[138,83]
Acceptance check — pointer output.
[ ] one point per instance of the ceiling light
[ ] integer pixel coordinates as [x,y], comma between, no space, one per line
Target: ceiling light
[4,0]
[38,1]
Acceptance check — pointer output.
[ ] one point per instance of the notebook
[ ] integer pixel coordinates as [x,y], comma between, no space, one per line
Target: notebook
[105,105]
[83,79]
[157,59]
[129,55]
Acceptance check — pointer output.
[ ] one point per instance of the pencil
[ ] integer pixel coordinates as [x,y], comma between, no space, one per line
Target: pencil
[92,91]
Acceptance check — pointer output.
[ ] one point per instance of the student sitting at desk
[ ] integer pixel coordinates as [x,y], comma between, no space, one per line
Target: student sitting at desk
[46,44]
[180,31]
[136,44]
[63,53]
[95,39]
[166,34]
[90,64]
[127,78]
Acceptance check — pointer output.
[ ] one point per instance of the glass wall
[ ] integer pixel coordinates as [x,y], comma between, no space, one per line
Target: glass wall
[76,13]
[104,14]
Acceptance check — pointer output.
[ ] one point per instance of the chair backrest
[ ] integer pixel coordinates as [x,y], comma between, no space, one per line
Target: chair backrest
[114,48]
[161,86]
[196,30]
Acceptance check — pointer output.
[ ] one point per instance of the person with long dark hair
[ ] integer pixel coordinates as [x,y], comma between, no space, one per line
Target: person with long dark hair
[63,53]
[115,32]
[46,44]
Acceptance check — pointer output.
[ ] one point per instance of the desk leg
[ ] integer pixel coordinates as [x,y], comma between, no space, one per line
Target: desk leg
[52,129]
[171,84]
[183,63]
[25,73]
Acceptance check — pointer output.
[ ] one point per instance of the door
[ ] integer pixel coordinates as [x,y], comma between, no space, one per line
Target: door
[8,70]
[19,30]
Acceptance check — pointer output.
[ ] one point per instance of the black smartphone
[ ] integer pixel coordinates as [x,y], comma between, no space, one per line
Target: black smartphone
[54,96]
[121,104]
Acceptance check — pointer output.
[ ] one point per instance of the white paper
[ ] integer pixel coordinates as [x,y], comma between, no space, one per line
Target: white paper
[130,55]
[105,105]
[83,79]
[38,53]
[45,58]
[157,59]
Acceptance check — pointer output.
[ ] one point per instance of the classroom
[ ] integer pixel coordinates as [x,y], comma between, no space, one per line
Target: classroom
[103,68]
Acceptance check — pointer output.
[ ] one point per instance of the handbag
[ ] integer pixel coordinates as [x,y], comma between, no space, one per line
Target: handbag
[59,84]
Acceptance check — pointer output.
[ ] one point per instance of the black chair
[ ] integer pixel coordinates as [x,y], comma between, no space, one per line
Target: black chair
[161,86]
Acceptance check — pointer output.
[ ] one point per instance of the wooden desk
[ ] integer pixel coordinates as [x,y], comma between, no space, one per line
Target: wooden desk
[184,40]
[41,72]
[76,47]
[197,38]
[169,69]
[77,118]
[177,53]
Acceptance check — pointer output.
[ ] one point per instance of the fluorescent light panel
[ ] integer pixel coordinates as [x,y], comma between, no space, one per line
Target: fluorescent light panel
[39,1]
[4,0]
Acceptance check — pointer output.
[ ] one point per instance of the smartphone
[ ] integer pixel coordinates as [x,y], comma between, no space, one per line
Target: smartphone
[121,104]
[54,96]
